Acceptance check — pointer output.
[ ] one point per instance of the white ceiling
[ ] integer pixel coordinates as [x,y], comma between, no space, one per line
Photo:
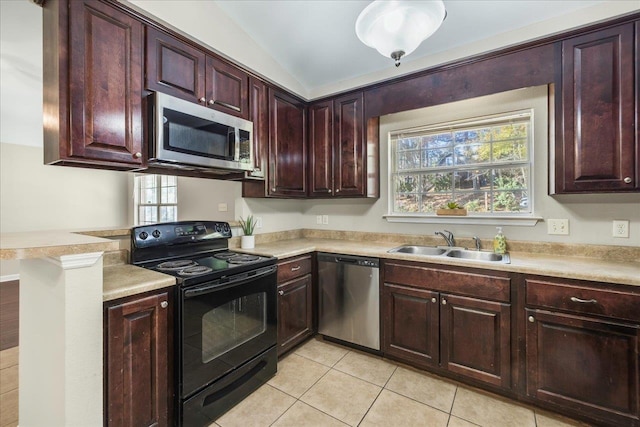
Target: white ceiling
[315,40]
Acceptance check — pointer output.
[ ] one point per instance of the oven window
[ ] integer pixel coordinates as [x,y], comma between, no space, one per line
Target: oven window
[232,324]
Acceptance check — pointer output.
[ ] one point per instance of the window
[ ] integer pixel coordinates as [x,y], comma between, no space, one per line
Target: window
[483,164]
[156,199]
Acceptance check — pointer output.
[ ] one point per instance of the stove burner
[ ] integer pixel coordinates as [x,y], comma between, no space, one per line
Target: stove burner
[195,270]
[225,255]
[242,259]
[176,265]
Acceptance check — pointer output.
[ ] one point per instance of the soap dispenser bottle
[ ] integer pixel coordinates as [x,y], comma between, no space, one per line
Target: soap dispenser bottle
[499,242]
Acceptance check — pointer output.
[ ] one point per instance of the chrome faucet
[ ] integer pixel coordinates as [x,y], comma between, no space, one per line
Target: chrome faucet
[447,237]
[477,239]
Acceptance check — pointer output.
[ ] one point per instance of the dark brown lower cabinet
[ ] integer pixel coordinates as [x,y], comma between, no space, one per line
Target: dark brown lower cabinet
[448,320]
[411,325]
[476,339]
[296,321]
[585,364]
[295,312]
[138,385]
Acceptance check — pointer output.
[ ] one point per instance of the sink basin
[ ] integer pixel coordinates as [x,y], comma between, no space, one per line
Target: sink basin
[452,252]
[478,255]
[419,250]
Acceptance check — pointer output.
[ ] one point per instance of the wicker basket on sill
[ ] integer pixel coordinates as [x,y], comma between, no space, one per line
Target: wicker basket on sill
[452,212]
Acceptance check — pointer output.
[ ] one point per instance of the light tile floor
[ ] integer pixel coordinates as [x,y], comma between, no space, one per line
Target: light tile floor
[324,384]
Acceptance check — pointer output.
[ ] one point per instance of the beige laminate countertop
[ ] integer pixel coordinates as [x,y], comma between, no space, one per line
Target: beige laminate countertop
[124,280]
[40,244]
[583,268]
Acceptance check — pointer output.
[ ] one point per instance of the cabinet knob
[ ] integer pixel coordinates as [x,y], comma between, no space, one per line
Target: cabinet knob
[627,180]
[444,301]
[338,190]
[137,155]
[273,189]
[203,100]
[164,304]
[329,190]
[280,292]
[433,300]
[532,319]
[211,102]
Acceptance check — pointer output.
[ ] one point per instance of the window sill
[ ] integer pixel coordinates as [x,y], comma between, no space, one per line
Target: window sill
[522,221]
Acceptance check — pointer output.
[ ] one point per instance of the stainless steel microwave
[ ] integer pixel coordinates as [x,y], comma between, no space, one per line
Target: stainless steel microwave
[191,135]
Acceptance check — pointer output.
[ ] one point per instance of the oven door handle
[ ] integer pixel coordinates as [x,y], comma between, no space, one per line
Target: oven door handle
[233,281]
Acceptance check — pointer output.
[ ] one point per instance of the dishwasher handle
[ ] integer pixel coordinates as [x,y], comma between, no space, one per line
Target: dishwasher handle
[349,259]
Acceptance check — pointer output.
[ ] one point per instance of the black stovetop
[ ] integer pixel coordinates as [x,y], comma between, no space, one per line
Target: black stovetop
[194,252]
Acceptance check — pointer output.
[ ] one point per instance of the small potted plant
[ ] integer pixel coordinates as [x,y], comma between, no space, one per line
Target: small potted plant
[452,208]
[248,240]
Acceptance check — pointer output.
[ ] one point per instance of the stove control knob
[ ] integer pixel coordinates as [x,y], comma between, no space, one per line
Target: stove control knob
[143,235]
[218,228]
[156,233]
[226,228]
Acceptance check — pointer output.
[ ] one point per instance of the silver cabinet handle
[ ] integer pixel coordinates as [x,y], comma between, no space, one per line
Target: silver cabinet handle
[433,300]
[164,304]
[203,100]
[444,301]
[211,102]
[137,155]
[532,319]
[584,301]
[627,180]
[280,292]
[296,268]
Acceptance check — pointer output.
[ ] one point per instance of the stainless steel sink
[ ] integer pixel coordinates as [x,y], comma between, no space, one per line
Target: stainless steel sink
[452,252]
[478,255]
[419,250]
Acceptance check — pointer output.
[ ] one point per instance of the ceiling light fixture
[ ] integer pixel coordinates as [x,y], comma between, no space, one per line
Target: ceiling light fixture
[396,28]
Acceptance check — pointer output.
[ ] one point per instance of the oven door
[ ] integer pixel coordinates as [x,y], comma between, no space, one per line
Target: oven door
[224,325]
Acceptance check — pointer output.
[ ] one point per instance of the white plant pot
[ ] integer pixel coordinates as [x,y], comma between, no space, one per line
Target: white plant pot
[248,242]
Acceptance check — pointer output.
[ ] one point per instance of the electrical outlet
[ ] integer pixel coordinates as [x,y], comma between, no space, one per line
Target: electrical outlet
[319,219]
[258,222]
[558,226]
[222,207]
[621,228]
[325,219]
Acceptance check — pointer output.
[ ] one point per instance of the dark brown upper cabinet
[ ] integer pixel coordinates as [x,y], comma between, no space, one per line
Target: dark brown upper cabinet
[595,118]
[180,69]
[287,146]
[338,146]
[93,78]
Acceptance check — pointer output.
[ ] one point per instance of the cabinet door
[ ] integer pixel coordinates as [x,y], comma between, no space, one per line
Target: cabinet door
[105,75]
[174,67]
[349,149]
[137,363]
[584,364]
[410,324]
[227,88]
[295,312]
[321,149]
[259,115]
[287,146]
[597,114]
[475,339]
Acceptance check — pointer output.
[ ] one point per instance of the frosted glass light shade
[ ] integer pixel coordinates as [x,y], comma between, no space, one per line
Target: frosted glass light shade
[396,28]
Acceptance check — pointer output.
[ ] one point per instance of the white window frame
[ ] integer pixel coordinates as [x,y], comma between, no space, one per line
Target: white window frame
[137,197]
[487,218]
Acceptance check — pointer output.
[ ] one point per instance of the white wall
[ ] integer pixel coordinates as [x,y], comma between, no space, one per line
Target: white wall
[590,216]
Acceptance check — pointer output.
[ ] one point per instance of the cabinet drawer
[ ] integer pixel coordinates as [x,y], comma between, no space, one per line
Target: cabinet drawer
[583,299]
[412,275]
[294,267]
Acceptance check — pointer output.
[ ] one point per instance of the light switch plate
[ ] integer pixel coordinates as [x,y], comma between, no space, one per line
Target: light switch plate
[621,228]
[319,219]
[222,207]
[325,219]
[258,222]
[558,226]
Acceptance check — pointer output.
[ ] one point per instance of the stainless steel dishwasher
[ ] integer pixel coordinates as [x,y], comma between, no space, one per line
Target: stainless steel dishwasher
[349,299]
